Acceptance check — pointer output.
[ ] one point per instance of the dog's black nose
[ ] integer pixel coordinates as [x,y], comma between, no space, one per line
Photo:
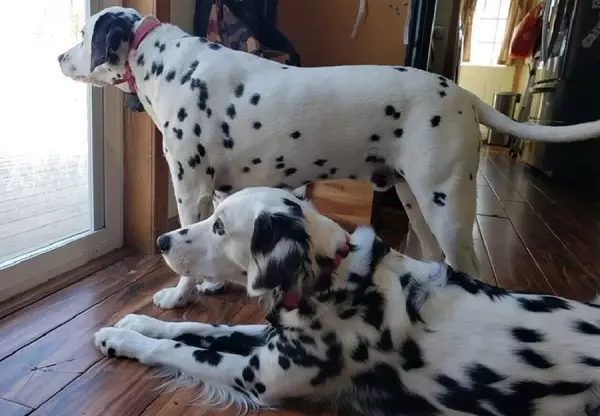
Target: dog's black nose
[60,57]
[164,243]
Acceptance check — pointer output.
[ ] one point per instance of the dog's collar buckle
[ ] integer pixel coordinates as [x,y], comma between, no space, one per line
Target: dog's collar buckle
[292,299]
[149,23]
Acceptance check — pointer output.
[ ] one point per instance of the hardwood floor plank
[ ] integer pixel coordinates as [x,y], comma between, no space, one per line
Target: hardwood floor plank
[559,264]
[13,409]
[513,266]
[486,272]
[33,321]
[343,199]
[480,180]
[37,293]
[516,174]
[488,203]
[182,404]
[581,204]
[124,387]
[569,220]
[109,388]
[44,367]
[578,197]
[500,185]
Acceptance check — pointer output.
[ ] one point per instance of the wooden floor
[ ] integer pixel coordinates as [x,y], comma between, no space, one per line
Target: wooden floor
[530,234]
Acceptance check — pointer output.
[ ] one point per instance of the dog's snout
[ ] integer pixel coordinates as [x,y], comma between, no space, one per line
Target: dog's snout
[164,243]
[61,57]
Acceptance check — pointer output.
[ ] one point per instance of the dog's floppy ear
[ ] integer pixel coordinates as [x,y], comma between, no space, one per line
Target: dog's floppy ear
[280,252]
[110,30]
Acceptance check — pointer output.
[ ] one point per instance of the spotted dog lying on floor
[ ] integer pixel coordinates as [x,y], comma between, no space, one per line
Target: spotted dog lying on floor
[232,120]
[357,323]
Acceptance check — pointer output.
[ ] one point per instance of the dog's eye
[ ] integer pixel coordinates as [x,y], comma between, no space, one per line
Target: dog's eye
[218,227]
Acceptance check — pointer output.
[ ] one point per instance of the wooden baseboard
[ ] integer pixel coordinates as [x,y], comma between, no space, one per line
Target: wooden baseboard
[30,296]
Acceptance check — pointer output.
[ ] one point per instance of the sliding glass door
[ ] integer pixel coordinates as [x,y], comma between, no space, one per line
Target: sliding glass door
[60,150]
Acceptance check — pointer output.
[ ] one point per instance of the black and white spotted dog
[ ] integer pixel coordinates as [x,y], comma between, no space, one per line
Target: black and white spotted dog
[232,120]
[357,323]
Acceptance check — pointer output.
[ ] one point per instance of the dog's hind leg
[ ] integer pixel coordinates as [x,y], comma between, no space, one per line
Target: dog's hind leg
[447,201]
[425,246]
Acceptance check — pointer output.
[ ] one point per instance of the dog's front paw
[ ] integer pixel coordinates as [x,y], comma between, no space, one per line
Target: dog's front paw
[172,297]
[144,325]
[210,288]
[118,342]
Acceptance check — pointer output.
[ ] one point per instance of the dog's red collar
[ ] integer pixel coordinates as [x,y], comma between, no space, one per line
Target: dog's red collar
[292,299]
[149,23]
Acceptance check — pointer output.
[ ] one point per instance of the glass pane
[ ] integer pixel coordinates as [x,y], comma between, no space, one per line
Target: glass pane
[504,7]
[482,53]
[500,30]
[44,156]
[487,8]
[485,30]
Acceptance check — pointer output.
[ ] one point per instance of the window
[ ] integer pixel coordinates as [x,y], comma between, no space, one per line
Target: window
[61,152]
[489,24]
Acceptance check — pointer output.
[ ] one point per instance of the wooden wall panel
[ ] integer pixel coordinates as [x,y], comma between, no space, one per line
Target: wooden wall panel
[320,31]
[146,170]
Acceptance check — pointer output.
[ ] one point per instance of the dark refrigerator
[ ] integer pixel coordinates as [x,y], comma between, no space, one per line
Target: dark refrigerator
[566,89]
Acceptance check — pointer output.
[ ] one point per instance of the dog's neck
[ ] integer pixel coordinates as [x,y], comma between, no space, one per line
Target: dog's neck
[148,63]
[140,30]
[323,270]
[370,269]
[330,245]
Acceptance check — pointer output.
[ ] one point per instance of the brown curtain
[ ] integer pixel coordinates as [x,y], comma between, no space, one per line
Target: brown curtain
[467,12]
[517,11]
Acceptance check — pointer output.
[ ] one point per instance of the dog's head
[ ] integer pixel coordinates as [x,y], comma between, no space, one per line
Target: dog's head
[99,59]
[263,238]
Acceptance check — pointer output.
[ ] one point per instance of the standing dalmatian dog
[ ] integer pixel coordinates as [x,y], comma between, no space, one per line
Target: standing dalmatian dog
[231,120]
[358,324]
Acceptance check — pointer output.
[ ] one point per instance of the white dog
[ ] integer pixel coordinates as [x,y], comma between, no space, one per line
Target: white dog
[357,323]
[232,120]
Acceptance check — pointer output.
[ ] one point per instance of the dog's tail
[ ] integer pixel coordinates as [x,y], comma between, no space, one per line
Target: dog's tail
[491,117]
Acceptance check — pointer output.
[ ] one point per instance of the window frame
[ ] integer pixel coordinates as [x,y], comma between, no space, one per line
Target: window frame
[497,42]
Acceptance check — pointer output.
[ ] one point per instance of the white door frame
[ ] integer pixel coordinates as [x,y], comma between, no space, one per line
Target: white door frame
[107,177]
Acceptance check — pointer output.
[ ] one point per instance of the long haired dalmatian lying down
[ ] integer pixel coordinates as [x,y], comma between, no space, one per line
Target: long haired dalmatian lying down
[355,322]
[232,120]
